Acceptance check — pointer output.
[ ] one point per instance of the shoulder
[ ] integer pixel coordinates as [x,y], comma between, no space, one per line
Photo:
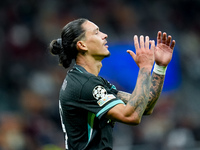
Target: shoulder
[79,81]
[79,76]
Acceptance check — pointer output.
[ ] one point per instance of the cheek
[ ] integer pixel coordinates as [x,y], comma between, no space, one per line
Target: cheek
[94,44]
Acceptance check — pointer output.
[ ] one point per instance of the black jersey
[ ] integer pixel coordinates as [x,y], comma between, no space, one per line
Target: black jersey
[84,99]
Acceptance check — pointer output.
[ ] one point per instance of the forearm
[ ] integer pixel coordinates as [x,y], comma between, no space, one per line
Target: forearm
[139,98]
[156,86]
[124,96]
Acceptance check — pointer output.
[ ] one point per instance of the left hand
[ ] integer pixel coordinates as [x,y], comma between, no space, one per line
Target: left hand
[164,49]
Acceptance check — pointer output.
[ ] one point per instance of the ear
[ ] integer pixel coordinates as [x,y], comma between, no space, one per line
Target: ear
[81,46]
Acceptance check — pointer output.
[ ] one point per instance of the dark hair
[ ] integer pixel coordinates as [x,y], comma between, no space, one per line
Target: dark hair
[65,47]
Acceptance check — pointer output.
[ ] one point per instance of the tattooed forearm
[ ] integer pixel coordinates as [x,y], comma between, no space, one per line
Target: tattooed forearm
[139,97]
[124,96]
[155,91]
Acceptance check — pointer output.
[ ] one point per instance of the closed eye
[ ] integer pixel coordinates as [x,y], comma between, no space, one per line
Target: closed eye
[96,31]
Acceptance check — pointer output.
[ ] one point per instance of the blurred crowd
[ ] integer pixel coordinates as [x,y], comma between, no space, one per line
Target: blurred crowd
[30,78]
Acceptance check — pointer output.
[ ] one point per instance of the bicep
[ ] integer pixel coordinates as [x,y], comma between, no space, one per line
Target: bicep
[120,113]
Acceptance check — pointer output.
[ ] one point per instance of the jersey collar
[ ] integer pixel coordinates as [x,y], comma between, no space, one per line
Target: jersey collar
[79,68]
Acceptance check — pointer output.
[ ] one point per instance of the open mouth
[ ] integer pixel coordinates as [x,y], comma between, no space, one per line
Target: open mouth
[106,45]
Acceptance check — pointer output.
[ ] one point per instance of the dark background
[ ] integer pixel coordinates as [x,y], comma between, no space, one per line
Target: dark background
[30,77]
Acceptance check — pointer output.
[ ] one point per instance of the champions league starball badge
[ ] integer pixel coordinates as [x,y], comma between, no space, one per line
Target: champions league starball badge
[99,92]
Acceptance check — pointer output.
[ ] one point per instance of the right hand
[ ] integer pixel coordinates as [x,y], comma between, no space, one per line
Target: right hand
[144,56]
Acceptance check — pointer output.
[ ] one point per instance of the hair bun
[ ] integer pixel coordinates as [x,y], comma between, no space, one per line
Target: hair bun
[56,46]
[59,41]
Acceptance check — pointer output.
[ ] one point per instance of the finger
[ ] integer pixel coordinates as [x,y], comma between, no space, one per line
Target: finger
[133,55]
[173,44]
[142,41]
[168,40]
[147,42]
[159,37]
[164,38]
[152,42]
[136,42]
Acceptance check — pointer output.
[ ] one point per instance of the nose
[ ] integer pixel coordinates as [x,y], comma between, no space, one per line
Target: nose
[104,36]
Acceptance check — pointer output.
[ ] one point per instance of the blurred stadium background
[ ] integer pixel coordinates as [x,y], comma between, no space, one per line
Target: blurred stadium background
[30,77]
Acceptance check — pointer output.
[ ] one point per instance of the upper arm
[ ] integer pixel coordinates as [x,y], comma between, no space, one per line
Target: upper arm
[118,113]
[98,97]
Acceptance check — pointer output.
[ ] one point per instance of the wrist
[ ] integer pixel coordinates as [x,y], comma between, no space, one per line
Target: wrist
[146,68]
[161,70]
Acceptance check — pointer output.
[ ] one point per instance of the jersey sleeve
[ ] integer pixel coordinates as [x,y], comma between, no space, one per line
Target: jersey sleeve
[98,96]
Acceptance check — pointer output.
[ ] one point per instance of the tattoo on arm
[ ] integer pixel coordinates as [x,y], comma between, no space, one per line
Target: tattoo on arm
[139,97]
[124,96]
[154,93]
[155,90]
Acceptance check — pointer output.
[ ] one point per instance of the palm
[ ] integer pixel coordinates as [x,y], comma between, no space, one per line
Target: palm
[163,54]
[164,49]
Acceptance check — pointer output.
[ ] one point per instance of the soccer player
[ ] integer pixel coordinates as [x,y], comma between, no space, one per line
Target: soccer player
[89,105]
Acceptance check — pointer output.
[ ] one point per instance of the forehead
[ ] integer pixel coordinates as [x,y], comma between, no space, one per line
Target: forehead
[89,26]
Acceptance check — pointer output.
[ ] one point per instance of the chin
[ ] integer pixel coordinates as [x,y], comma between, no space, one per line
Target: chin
[108,54]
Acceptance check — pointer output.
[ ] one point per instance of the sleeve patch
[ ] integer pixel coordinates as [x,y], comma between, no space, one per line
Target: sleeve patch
[105,99]
[99,92]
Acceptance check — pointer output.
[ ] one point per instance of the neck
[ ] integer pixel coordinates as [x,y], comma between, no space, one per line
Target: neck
[91,64]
